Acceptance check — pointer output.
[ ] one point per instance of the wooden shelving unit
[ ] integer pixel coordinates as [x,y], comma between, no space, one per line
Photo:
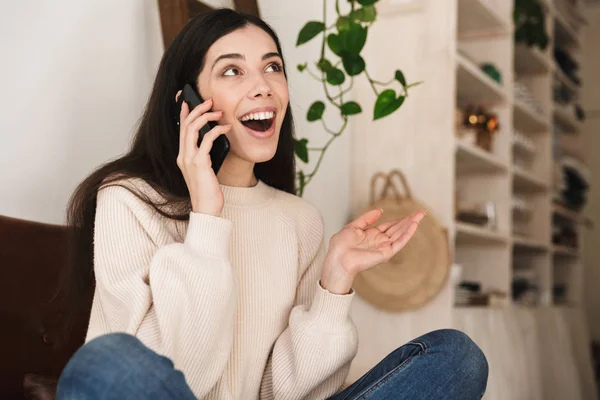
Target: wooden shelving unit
[520,240]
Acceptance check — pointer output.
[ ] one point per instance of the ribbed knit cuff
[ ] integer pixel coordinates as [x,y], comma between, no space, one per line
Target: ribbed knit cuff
[209,235]
[331,310]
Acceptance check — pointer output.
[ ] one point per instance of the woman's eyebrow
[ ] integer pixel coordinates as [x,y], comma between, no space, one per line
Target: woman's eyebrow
[238,56]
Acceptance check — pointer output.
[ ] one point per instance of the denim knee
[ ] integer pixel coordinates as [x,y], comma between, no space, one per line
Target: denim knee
[461,355]
[110,357]
[111,349]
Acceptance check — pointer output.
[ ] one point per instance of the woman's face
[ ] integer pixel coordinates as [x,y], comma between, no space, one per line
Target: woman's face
[243,74]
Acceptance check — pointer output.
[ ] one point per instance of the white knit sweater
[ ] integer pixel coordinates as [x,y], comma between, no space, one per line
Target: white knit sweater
[234,301]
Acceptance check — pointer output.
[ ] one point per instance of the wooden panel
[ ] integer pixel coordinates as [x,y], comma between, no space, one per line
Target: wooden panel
[247,6]
[197,7]
[174,14]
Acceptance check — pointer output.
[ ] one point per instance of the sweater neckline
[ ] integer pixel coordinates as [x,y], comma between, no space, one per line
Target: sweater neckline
[247,196]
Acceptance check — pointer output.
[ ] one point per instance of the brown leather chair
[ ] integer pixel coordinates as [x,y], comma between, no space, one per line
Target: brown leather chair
[32,255]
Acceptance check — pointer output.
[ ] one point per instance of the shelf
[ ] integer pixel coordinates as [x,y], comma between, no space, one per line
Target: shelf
[530,60]
[565,35]
[564,251]
[563,78]
[475,86]
[529,244]
[565,212]
[476,18]
[522,148]
[473,234]
[473,159]
[566,119]
[528,120]
[525,181]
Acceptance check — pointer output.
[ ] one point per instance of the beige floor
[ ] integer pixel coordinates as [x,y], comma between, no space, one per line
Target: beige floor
[533,353]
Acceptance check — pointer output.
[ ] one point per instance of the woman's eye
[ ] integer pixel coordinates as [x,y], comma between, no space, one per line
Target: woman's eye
[231,71]
[274,67]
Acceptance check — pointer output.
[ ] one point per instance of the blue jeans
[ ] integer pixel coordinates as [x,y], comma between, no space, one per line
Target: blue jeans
[444,364]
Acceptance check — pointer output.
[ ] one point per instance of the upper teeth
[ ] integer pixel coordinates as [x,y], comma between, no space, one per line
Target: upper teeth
[258,116]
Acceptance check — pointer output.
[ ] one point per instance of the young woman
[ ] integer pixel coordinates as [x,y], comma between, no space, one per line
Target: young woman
[218,286]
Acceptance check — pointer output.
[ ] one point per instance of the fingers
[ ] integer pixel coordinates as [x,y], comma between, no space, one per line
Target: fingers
[402,224]
[405,236]
[182,116]
[191,138]
[196,112]
[186,117]
[366,219]
[211,136]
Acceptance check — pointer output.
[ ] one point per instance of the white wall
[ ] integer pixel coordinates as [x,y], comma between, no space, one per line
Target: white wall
[591,103]
[73,90]
[74,78]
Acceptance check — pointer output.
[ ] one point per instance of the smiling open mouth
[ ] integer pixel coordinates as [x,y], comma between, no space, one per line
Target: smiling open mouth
[260,121]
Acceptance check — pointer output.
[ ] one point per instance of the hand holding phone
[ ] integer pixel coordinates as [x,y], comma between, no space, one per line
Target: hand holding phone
[220,147]
[196,149]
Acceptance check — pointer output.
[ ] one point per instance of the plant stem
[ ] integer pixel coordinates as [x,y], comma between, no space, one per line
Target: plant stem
[371,82]
[384,83]
[331,139]
[326,128]
[349,88]
[313,75]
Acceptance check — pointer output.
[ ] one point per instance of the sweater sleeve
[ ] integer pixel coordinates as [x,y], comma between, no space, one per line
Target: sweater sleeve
[311,358]
[190,285]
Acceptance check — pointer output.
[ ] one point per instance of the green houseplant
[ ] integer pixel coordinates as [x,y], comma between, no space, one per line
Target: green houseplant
[338,64]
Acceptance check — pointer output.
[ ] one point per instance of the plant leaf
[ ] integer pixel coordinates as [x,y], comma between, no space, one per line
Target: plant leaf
[309,31]
[387,103]
[335,44]
[400,78]
[315,112]
[302,67]
[324,65]
[301,183]
[353,65]
[335,76]
[301,150]
[367,2]
[351,108]
[364,14]
[343,24]
[354,39]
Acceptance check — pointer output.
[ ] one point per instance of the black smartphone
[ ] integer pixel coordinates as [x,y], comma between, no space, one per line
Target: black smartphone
[220,147]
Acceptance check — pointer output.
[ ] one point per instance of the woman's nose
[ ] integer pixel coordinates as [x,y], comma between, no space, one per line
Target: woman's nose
[261,89]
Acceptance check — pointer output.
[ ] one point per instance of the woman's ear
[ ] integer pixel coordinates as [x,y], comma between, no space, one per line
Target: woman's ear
[177,96]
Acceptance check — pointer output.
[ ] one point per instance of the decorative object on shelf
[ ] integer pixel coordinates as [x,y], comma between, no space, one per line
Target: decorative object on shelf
[345,39]
[470,294]
[481,214]
[490,70]
[579,113]
[564,233]
[521,207]
[559,291]
[575,176]
[465,133]
[417,273]
[525,292]
[530,23]
[523,143]
[567,65]
[483,123]
[522,93]
[562,94]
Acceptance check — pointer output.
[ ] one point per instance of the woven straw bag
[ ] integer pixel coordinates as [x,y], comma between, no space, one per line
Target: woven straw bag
[419,271]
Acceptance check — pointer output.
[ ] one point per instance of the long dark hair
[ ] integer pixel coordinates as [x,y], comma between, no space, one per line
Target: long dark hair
[153,153]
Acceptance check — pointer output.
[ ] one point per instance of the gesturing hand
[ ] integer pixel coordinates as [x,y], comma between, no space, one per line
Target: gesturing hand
[356,247]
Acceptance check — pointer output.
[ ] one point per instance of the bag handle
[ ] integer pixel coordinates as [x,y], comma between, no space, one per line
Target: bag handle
[389,185]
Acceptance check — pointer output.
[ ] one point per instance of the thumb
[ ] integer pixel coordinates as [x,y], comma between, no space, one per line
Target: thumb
[366,219]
